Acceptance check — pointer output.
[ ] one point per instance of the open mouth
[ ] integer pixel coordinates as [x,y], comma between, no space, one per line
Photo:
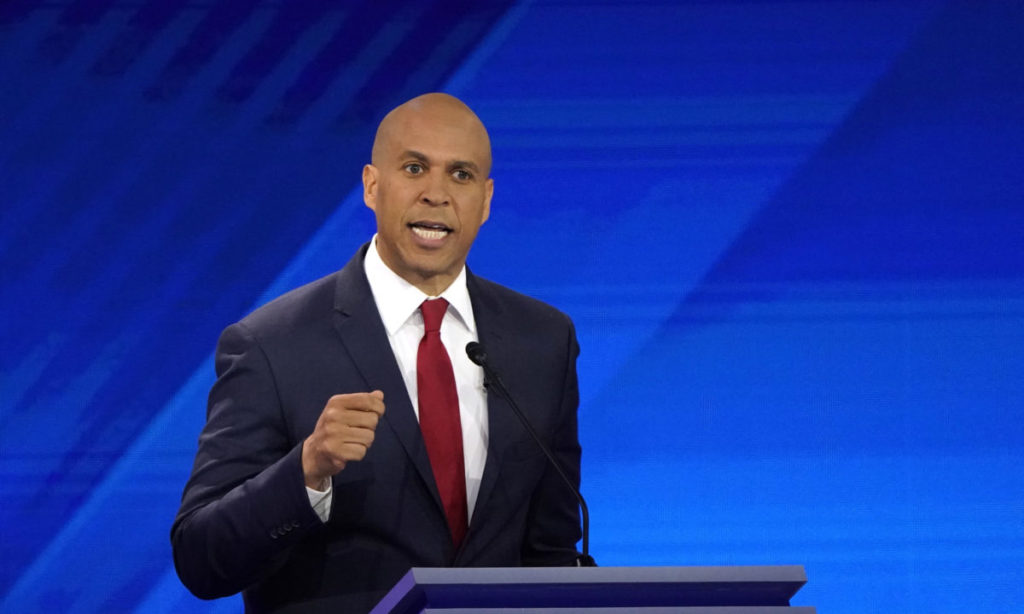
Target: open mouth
[431,231]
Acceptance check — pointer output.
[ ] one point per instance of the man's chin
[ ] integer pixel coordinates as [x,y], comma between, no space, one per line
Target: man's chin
[432,280]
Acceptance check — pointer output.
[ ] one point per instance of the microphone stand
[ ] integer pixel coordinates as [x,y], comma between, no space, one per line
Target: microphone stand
[478,355]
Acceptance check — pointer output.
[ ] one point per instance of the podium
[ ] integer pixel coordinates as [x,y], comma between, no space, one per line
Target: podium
[596,590]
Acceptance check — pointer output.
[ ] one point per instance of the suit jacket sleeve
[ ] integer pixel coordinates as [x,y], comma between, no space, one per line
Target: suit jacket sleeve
[245,504]
[553,520]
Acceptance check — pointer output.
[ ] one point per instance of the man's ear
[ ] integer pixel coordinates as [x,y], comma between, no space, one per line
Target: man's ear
[488,193]
[370,186]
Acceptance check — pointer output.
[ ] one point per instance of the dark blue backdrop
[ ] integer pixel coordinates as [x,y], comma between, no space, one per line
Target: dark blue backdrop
[790,234]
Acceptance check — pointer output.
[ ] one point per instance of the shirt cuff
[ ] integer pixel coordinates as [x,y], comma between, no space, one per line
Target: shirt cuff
[321,500]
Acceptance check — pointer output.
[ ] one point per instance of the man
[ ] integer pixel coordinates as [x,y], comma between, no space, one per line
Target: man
[349,437]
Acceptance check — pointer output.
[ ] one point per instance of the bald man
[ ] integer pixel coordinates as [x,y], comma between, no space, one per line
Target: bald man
[348,435]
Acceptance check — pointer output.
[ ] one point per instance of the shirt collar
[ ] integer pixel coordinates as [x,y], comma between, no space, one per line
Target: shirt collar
[398,300]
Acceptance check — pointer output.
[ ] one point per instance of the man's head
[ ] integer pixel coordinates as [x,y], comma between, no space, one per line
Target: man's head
[429,186]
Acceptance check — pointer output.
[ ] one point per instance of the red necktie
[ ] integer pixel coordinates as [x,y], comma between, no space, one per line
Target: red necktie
[439,418]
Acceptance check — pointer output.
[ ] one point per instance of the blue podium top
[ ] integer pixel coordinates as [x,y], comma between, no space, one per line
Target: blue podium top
[553,588]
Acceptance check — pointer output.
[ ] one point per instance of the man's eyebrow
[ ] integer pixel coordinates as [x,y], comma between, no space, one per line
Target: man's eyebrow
[410,153]
[465,164]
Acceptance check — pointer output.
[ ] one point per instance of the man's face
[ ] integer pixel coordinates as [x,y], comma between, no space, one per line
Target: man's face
[429,188]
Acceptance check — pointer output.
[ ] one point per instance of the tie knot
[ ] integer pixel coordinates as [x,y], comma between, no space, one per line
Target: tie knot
[433,313]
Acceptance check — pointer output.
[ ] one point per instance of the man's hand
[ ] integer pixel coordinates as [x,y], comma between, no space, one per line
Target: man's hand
[343,433]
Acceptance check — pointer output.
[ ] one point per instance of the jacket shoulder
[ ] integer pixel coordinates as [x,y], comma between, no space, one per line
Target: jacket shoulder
[298,306]
[515,304]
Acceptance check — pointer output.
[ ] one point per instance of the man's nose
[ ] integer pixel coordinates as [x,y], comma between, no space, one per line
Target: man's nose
[436,191]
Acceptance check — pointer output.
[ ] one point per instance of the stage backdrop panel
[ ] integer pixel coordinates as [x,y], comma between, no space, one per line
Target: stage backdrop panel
[789,234]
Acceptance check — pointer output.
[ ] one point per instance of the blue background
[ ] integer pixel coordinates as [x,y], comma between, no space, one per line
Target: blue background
[790,234]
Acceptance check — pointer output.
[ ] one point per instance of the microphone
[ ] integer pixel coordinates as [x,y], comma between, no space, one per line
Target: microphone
[478,355]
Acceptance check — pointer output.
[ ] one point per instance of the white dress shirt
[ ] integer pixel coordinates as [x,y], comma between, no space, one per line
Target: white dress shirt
[398,303]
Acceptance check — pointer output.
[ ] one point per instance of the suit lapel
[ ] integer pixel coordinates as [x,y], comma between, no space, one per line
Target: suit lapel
[362,332]
[493,331]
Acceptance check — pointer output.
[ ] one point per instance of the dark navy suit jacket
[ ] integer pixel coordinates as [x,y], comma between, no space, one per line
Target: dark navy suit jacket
[245,522]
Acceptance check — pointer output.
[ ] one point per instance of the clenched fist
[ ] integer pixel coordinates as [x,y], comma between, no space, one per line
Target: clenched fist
[343,433]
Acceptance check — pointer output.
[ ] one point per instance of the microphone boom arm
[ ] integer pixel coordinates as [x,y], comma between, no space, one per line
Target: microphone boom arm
[493,381]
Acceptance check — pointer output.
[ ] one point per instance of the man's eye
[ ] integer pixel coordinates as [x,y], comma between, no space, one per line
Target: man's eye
[414,168]
[462,174]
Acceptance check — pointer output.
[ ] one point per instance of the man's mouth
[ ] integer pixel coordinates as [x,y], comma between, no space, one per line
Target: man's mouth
[431,231]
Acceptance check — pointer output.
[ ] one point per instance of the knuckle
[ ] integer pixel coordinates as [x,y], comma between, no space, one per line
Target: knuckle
[329,413]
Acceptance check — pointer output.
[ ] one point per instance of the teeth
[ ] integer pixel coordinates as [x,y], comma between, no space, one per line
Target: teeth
[429,233]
